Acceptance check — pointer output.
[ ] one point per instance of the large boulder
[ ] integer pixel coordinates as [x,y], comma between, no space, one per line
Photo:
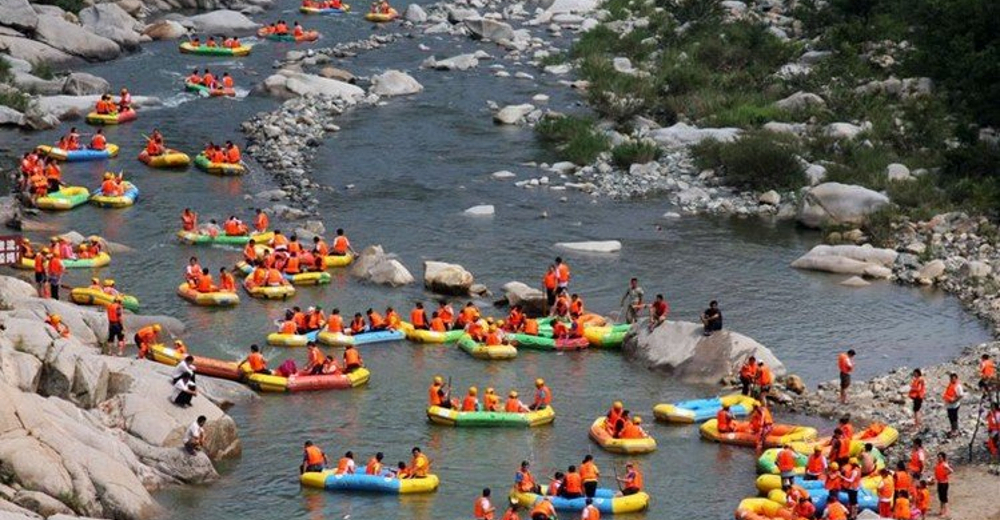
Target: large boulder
[395,83]
[868,261]
[83,84]
[415,14]
[681,349]
[9,116]
[223,21]
[23,48]
[18,14]
[460,14]
[75,40]
[165,30]
[112,22]
[487,29]
[682,135]
[572,6]
[375,265]
[10,212]
[445,278]
[832,203]
[460,62]
[512,114]
[288,83]
[531,299]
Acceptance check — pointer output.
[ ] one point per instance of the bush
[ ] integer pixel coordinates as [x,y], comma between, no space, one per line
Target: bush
[5,74]
[634,152]
[15,100]
[575,137]
[756,161]
[971,176]
[43,70]
[747,115]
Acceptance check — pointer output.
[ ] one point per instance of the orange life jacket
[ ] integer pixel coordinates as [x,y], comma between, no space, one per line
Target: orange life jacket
[352,358]
[574,484]
[335,323]
[340,245]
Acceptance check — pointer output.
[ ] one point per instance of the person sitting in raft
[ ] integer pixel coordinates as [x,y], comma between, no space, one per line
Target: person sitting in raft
[446,313]
[184,391]
[330,366]
[95,284]
[335,323]
[419,465]
[711,319]
[392,319]
[314,359]
[575,306]
[195,41]
[288,326]
[260,221]
[291,264]
[572,484]
[269,28]
[560,307]
[724,420]
[358,325]
[208,80]
[218,155]
[53,176]
[515,319]
[494,337]
[346,465]
[189,220]
[560,330]
[476,331]
[279,242]
[234,227]
[297,30]
[658,312]
[124,100]
[469,314]
[418,317]
[439,394]
[530,327]
[352,359]
[384,7]
[576,328]
[491,401]
[315,319]
[211,42]
[471,403]
[543,395]
[299,318]
[632,483]
[232,153]
[109,288]
[194,78]
[313,459]
[281,27]
[785,461]
[227,81]
[98,141]
[437,324]
[111,186]
[55,321]
[514,405]
[105,105]
[255,360]
[524,481]
[375,321]
[229,42]
[613,416]
[227,282]
[335,4]
[205,282]
[341,245]
[619,426]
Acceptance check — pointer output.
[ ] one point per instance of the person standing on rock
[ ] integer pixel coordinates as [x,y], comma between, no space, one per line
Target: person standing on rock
[711,319]
[562,273]
[550,282]
[845,362]
[748,373]
[942,474]
[952,397]
[632,301]
[194,436]
[918,391]
[55,271]
[987,372]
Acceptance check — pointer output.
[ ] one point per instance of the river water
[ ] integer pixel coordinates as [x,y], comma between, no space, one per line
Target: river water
[416,163]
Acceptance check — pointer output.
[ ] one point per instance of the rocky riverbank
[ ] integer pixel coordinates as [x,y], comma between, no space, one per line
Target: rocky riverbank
[88,434]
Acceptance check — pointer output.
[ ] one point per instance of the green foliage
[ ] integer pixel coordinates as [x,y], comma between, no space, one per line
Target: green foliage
[575,137]
[634,152]
[43,70]
[971,176]
[756,161]
[693,11]
[5,73]
[879,225]
[72,6]
[747,115]
[15,100]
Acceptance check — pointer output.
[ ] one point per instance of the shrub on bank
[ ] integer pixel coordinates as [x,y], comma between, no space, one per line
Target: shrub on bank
[634,152]
[576,137]
[756,161]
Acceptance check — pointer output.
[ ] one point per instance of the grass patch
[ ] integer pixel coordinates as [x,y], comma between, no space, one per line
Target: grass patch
[575,137]
[15,100]
[43,70]
[756,161]
[634,152]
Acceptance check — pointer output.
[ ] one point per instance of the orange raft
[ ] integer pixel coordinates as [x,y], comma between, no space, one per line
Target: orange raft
[202,365]
[780,435]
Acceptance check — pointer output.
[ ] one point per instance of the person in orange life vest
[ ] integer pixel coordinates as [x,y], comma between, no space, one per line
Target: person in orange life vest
[658,312]
[269,29]
[952,397]
[341,245]
[313,458]
[211,42]
[330,366]
[515,319]
[233,227]
[297,30]
[124,100]
[98,142]
[315,320]
[562,273]
[53,176]
[189,220]
[437,324]
[493,337]
[763,380]
[572,484]
[575,306]
[392,319]
[374,466]
[792,494]
[104,105]
[613,415]
[86,251]
[195,41]
[358,324]
[260,221]
[632,483]
[993,431]
[918,458]
[846,429]
[491,401]
[901,478]
[559,330]
[279,241]
[835,510]
[346,465]
[524,481]
[418,317]
[815,464]
[275,278]
[832,481]
[219,155]
[543,395]
[901,510]
[805,509]
[885,491]
[469,314]
[511,512]
[229,42]
[840,447]
[384,7]
[281,27]
[205,283]
[850,477]
[232,153]
[942,475]
[55,321]
[258,277]
[476,331]
[146,337]
[116,330]
[471,403]
[439,394]
[352,359]
[255,361]
[288,326]
[208,147]
[576,328]
[208,80]
[724,420]
[633,429]
[987,371]
[917,394]
[39,185]
[292,265]
[299,318]
[514,405]
[922,498]
[419,465]
[845,364]
[786,464]
[543,509]
[54,269]
[335,323]
[227,283]
[194,78]
[561,306]
[375,320]
[446,313]
[550,282]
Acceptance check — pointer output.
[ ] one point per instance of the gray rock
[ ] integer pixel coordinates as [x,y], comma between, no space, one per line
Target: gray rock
[533,300]
[898,172]
[864,261]
[395,83]
[503,175]
[816,174]
[445,278]
[844,130]
[855,281]
[623,65]
[11,117]
[83,84]
[930,272]
[75,40]
[18,14]
[165,30]
[338,74]
[374,265]
[32,51]
[460,62]
[833,203]
[682,135]
[512,114]
[414,13]
[221,22]
[484,210]
[977,269]
[487,29]
[771,198]
[460,14]
[288,83]
[572,6]
[800,101]
[112,22]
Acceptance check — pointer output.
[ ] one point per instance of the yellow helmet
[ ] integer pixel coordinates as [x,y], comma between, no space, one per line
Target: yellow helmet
[818,449]
[513,393]
[618,405]
[108,175]
[438,380]
[500,323]
[157,327]
[539,382]
[489,319]
[637,420]
[109,282]
[834,466]
[473,390]
[178,342]
[55,318]
[46,250]
[853,461]
[489,390]
[26,240]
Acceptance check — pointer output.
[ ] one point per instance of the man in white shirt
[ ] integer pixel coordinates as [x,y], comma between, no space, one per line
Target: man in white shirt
[194,437]
[186,366]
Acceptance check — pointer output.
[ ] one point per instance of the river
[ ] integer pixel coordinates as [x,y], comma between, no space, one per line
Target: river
[415,164]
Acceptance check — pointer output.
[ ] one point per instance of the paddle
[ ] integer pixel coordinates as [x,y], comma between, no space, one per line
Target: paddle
[618,481]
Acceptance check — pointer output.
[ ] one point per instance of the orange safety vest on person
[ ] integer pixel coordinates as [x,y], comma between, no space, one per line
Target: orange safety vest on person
[375,320]
[562,273]
[39,264]
[434,395]
[205,283]
[836,511]
[852,478]
[437,325]
[848,430]
[723,421]
[987,369]
[543,396]
[531,327]
[816,464]
[515,318]
[574,484]
[335,323]
[208,79]
[231,227]
[901,511]
[249,253]
[321,248]
[951,393]
[844,363]
[588,471]
[482,509]
[634,480]
[314,456]
[281,28]
[419,465]
[590,512]
[446,314]
[922,500]
[918,388]
[352,358]
[417,318]
[292,265]
[274,277]
[832,482]
[195,79]
[56,267]
[942,471]
[844,449]
[527,482]
[374,467]
[300,320]
[576,307]
[288,327]
[545,508]
[917,458]
[256,361]
[493,339]
[469,403]
[631,431]
[227,82]
[115,313]
[357,325]
[98,142]
[188,221]
[392,320]
[259,276]
[261,222]
[233,154]
[764,376]
[550,280]
[342,466]
[52,171]
[902,480]
[340,245]
[297,31]
[146,335]
[492,402]
[315,320]
[786,460]
[886,490]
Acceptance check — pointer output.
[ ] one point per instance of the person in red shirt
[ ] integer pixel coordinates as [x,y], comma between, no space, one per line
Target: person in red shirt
[658,312]
[845,362]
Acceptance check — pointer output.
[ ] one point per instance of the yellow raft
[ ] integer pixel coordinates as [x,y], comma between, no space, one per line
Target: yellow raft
[170,158]
[305,383]
[429,336]
[270,292]
[102,259]
[600,435]
[382,17]
[450,417]
[67,198]
[369,483]
[488,352]
[91,296]
[218,168]
[190,48]
[212,299]
[780,435]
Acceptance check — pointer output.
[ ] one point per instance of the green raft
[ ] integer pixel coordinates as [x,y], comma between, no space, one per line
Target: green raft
[608,336]
[191,237]
[449,417]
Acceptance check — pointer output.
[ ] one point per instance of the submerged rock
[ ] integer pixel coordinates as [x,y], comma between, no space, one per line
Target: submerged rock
[864,260]
[375,265]
[483,210]
[395,83]
[605,246]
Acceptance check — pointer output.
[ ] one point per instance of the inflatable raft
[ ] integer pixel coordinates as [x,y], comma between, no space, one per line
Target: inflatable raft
[168,159]
[449,417]
[307,36]
[529,341]
[83,154]
[430,336]
[767,483]
[202,162]
[768,461]
[270,292]
[202,90]
[115,118]
[880,435]
[382,17]
[339,339]
[307,383]
[291,340]
[202,365]
[344,8]
[90,296]
[488,352]
[67,198]
[307,278]
[369,483]
[212,299]
[192,237]
[608,336]
[780,434]
[600,435]
[204,50]
[604,500]
[819,496]
[701,410]
[117,201]
[102,259]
